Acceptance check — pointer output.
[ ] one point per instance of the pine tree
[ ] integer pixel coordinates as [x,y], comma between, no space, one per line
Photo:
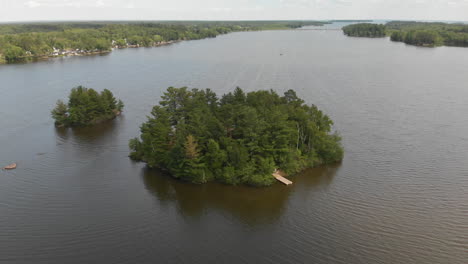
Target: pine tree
[86,107]
[237,139]
[59,113]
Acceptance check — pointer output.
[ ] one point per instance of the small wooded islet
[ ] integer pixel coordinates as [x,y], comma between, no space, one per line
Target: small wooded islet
[86,107]
[236,139]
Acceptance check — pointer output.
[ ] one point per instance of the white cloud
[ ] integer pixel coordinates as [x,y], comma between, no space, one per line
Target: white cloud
[130,5]
[220,9]
[20,10]
[299,2]
[65,3]
[100,3]
[32,4]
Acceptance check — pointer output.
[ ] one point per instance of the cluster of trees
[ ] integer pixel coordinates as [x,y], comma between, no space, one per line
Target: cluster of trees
[429,34]
[20,42]
[365,30]
[86,107]
[236,139]
[414,33]
[418,37]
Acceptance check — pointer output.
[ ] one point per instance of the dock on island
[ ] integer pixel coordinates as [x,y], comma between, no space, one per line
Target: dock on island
[279,177]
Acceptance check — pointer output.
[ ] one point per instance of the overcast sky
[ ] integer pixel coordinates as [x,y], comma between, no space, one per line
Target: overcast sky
[31,10]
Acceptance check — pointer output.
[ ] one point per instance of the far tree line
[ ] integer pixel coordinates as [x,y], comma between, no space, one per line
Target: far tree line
[414,33]
[23,42]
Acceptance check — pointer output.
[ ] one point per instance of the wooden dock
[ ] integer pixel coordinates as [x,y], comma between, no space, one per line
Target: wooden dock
[277,175]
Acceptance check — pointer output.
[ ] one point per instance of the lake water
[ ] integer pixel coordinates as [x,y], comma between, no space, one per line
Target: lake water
[399,196]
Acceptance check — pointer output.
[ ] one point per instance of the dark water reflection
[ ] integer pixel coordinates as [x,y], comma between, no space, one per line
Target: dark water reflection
[254,206]
[90,134]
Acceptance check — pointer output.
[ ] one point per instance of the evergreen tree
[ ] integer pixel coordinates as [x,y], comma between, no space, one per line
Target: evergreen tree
[60,113]
[86,107]
[237,139]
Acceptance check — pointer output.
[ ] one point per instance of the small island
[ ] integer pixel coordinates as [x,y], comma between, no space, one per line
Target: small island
[425,34]
[236,139]
[86,107]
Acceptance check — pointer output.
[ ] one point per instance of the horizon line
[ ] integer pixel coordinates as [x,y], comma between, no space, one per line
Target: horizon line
[218,20]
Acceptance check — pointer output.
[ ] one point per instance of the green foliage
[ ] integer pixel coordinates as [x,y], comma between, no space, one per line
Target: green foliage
[414,33]
[120,106]
[13,53]
[398,36]
[86,107]
[19,42]
[240,138]
[365,30]
[429,34]
[59,113]
[120,43]
[423,38]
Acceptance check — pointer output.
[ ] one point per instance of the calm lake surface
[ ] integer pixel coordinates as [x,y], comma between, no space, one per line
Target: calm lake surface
[399,196]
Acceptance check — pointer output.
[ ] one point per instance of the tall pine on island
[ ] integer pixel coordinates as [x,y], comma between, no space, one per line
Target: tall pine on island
[86,107]
[237,139]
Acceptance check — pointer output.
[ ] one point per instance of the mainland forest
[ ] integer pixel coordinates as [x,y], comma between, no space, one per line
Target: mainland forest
[430,34]
[240,138]
[25,42]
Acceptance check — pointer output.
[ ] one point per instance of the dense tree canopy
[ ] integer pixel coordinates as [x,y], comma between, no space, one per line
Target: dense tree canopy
[365,30]
[418,37]
[414,33]
[22,42]
[86,107]
[429,34]
[237,139]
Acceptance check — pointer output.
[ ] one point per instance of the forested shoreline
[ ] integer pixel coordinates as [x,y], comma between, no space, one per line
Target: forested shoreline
[364,30]
[240,138]
[27,42]
[428,34]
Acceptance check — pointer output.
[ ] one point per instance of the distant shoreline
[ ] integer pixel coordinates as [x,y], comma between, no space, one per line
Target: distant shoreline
[21,43]
[422,34]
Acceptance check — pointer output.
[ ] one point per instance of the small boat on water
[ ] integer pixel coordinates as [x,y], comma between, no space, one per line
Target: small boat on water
[10,167]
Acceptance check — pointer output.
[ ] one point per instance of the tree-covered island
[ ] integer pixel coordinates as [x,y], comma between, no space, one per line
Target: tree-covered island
[427,34]
[236,139]
[86,107]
